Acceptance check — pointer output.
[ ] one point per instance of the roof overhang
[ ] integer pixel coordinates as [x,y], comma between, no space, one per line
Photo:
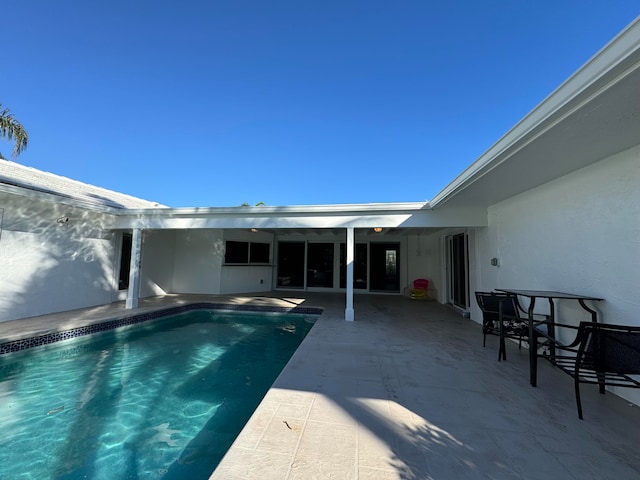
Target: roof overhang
[386,215]
[591,116]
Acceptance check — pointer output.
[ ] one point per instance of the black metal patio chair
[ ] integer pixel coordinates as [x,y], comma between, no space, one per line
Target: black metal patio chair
[601,354]
[503,316]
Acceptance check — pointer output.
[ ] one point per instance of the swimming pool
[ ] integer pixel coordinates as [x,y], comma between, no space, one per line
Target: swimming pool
[161,399]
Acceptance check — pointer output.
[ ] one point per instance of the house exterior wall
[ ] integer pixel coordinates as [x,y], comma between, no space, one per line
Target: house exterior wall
[157,265]
[50,267]
[424,261]
[578,234]
[198,259]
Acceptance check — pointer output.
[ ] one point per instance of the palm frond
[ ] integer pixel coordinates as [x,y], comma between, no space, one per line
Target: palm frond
[12,130]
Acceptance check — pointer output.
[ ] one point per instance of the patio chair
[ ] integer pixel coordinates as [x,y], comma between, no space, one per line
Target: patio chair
[602,354]
[503,316]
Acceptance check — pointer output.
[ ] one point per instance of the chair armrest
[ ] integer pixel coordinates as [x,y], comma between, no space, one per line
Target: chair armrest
[554,340]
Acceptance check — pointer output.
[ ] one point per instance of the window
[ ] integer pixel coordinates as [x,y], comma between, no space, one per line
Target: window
[259,252]
[236,252]
[246,252]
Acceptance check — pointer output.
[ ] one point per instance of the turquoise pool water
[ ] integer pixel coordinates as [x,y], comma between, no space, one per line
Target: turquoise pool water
[159,400]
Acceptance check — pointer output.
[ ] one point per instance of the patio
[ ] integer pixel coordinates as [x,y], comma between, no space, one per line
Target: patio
[407,392]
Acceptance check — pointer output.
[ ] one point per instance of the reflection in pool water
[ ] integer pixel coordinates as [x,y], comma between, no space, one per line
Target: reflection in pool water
[162,399]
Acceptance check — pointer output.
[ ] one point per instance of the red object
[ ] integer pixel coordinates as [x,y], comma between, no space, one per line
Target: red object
[421,284]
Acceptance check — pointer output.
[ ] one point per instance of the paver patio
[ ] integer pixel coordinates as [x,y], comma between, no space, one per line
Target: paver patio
[407,392]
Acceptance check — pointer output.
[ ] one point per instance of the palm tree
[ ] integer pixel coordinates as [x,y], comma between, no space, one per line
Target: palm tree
[12,129]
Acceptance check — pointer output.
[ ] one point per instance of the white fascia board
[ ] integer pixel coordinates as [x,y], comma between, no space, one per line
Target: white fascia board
[261,222]
[550,111]
[311,216]
[264,210]
[414,218]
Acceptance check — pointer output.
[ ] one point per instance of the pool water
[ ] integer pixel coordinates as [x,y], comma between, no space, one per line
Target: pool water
[162,399]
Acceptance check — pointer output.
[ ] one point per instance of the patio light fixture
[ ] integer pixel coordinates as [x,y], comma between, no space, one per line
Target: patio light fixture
[377,229]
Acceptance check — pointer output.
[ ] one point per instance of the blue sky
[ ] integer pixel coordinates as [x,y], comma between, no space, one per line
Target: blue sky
[292,102]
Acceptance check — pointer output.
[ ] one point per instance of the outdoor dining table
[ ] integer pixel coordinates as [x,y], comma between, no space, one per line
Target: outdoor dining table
[532,295]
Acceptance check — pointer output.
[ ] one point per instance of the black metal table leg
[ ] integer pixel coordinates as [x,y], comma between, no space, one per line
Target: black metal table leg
[533,347]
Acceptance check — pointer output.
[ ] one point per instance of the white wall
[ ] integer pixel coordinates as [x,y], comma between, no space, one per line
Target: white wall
[198,260]
[578,234]
[245,279]
[424,261]
[158,254]
[49,267]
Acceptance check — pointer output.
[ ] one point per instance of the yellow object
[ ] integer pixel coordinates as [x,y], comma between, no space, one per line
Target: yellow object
[418,293]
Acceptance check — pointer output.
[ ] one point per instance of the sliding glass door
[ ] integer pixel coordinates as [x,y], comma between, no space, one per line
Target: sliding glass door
[458,269]
[311,265]
[359,266]
[291,264]
[320,265]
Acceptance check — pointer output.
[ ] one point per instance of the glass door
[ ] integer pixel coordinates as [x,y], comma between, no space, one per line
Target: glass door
[384,266]
[359,266]
[320,265]
[291,264]
[458,251]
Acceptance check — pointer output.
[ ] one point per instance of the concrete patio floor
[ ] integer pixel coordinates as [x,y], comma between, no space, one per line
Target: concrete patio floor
[407,392]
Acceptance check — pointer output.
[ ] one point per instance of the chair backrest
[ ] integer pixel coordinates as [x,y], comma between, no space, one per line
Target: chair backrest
[489,303]
[610,348]
[421,284]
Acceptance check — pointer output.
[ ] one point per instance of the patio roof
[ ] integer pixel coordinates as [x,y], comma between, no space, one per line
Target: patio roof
[392,217]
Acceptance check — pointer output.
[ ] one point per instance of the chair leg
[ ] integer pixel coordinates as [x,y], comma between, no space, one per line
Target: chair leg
[578,402]
[601,388]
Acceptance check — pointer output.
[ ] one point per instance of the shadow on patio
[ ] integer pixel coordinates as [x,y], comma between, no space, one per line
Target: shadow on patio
[408,392]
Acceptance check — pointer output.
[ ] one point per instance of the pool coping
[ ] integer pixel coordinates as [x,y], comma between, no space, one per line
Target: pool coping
[47,338]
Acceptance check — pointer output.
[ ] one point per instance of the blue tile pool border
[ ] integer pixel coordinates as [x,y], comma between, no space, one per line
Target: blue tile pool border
[53,337]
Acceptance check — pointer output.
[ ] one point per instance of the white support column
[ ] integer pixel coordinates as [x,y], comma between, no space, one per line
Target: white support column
[134,271]
[349,313]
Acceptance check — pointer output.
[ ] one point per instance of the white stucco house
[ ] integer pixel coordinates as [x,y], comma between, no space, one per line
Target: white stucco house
[554,205]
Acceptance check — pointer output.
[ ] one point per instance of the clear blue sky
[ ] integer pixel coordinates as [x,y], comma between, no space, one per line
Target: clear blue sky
[286,102]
